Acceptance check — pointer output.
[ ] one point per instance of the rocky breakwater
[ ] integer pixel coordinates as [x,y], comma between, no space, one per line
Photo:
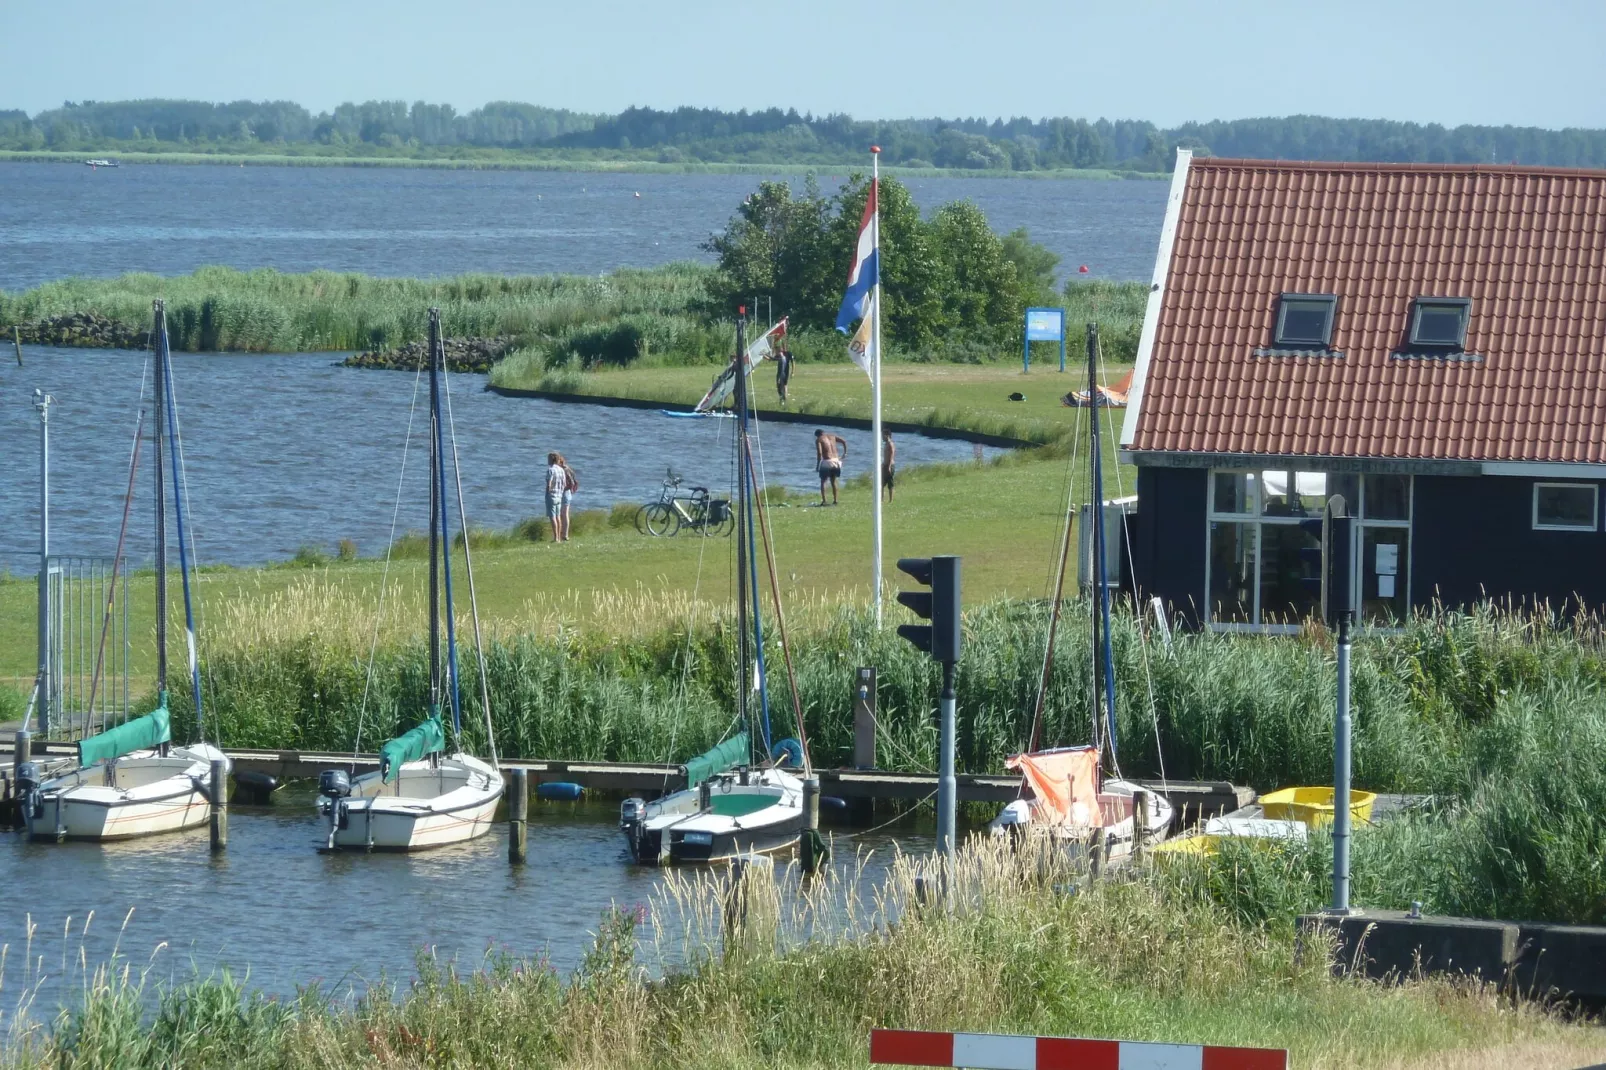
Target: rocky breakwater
[82,329]
[462,355]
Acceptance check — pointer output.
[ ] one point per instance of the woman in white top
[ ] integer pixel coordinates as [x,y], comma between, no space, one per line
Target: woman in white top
[570,485]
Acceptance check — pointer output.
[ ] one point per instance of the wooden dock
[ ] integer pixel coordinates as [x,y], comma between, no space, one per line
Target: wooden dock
[1194,800]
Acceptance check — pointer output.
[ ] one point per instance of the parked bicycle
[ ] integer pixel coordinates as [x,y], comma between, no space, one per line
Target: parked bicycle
[696,510]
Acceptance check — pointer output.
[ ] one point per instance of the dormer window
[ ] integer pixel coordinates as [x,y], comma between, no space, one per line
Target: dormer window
[1305,321]
[1439,323]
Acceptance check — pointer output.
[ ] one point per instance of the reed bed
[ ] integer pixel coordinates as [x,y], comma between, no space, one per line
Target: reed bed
[795,973]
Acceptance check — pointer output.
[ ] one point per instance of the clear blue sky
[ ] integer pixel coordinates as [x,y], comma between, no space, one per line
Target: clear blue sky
[1535,62]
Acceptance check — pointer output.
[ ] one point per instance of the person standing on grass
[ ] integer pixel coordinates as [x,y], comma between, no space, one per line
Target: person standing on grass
[829,453]
[571,483]
[783,372]
[889,466]
[557,481]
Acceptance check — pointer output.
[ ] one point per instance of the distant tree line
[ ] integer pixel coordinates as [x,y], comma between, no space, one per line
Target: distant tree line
[771,136]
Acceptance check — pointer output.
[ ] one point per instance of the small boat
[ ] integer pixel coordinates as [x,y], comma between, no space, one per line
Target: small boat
[129,780]
[421,796]
[100,163]
[711,414]
[732,805]
[1069,802]
[727,811]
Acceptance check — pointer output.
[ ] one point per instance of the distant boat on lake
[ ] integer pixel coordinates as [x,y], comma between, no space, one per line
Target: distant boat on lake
[101,163]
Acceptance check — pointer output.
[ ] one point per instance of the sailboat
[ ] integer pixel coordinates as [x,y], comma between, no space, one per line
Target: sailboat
[1071,798]
[130,780]
[421,796]
[731,806]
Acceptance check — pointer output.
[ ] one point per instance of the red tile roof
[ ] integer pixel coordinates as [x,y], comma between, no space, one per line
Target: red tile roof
[1526,245]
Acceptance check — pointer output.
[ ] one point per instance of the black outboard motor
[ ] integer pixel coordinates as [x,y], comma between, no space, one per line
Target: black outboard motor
[631,811]
[28,789]
[335,785]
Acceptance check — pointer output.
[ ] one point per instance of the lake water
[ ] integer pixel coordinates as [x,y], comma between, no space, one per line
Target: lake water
[58,220]
[273,905]
[289,450]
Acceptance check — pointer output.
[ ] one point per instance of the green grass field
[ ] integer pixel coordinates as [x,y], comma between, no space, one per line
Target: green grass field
[1004,518]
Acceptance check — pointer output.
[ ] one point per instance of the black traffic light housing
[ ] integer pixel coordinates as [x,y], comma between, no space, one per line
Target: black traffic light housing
[1335,531]
[940,606]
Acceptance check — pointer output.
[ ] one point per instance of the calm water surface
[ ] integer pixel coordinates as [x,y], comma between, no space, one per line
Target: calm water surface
[58,220]
[273,905]
[284,451]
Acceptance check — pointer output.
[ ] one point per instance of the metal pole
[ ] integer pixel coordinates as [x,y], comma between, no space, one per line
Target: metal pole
[518,816]
[1341,775]
[158,432]
[41,401]
[947,783]
[875,388]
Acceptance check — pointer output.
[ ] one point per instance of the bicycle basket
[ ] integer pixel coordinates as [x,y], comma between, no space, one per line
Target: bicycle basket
[719,510]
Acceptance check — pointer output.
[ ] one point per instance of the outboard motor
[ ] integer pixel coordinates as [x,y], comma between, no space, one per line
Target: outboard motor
[631,812]
[335,785]
[28,789]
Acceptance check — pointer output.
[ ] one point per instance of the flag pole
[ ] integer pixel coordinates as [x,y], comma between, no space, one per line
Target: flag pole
[875,386]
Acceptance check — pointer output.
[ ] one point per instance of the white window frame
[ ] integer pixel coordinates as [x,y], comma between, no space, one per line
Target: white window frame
[1594,507]
[1255,518]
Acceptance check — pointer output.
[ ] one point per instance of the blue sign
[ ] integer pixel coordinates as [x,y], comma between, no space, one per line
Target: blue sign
[1045,324]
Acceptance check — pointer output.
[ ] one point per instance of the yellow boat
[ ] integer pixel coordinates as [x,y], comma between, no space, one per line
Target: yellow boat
[1314,806]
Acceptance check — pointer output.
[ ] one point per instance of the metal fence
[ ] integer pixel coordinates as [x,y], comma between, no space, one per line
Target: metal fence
[89,646]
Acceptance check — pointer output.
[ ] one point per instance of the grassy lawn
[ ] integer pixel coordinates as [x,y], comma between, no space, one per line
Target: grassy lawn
[1002,517]
[963,396]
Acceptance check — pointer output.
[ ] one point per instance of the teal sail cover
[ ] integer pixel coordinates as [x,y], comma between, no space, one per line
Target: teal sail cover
[733,751]
[142,733]
[427,738]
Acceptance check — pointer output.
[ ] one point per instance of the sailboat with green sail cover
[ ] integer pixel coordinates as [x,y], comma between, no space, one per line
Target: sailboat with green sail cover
[422,796]
[737,800]
[130,780]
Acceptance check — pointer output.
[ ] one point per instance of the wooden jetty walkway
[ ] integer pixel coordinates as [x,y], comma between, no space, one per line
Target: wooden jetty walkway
[1194,800]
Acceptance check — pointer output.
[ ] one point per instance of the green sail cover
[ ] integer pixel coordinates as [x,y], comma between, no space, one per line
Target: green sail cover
[427,738]
[733,751]
[142,733]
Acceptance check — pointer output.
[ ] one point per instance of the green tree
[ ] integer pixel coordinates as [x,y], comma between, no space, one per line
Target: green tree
[984,294]
[1033,264]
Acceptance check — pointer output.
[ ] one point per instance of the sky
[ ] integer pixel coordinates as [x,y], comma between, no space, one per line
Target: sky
[1535,63]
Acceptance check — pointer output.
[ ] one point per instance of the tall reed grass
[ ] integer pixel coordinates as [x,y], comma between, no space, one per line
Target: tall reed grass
[799,976]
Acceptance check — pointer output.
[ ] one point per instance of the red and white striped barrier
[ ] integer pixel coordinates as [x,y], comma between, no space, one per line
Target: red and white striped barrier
[994,1051]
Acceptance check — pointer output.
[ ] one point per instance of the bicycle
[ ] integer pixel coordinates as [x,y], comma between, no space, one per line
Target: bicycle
[697,510]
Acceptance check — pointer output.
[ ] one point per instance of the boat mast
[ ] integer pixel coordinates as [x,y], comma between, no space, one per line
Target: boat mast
[437,365]
[158,329]
[434,528]
[742,505]
[1103,658]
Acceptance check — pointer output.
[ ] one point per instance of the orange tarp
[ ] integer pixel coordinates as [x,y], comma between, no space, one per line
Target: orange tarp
[1066,783]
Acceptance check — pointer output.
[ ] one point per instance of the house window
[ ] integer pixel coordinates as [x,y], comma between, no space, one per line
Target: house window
[1439,322]
[1564,506]
[1265,565]
[1305,321]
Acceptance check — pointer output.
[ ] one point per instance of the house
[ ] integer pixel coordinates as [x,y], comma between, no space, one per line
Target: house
[1428,341]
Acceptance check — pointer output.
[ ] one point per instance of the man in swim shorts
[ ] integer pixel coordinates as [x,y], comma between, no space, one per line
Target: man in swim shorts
[829,453]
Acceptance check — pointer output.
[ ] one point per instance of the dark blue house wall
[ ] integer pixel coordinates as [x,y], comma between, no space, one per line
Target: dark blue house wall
[1473,538]
[1168,540]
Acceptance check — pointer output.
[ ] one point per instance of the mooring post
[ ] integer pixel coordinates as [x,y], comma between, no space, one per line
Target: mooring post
[809,837]
[1140,820]
[21,752]
[16,340]
[735,902]
[864,692]
[219,798]
[518,816]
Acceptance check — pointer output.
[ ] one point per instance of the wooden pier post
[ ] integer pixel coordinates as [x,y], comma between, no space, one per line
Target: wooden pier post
[807,839]
[21,752]
[518,816]
[16,340]
[1140,821]
[735,903]
[219,799]
[862,811]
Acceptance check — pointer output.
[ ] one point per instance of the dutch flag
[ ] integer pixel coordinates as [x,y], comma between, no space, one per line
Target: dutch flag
[856,301]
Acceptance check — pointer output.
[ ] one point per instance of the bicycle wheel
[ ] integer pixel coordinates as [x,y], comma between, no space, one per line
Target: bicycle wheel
[641,519]
[723,526]
[661,519]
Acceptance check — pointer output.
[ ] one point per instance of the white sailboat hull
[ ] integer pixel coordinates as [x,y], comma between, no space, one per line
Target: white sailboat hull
[1112,834]
[140,794]
[761,816]
[430,804]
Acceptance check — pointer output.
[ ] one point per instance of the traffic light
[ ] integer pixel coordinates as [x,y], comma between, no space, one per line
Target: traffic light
[940,606]
[1334,533]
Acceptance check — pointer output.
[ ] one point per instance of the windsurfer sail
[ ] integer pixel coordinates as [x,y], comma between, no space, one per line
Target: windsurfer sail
[759,351]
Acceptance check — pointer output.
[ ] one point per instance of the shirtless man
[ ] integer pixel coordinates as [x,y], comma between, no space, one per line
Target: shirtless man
[829,453]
